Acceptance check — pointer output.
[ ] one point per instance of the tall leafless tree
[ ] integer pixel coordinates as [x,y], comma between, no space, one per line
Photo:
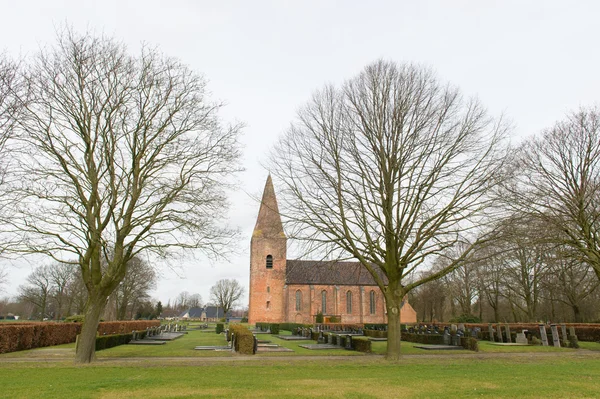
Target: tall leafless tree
[226,293]
[38,289]
[117,155]
[392,169]
[135,288]
[557,181]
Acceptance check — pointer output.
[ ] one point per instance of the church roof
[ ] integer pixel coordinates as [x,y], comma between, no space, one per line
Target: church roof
[268,223]
[328,273]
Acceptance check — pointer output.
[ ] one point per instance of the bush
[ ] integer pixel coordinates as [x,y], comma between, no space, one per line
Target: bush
[244,339]
[125,327]
[427,339]
[274,328]
[334,319]
[466,318]
[219,328]
[110,341]
[319,318]
[21,336]
[469,343]
[293,326]
[377,327]
[361,344]
[573,342]
[244,320]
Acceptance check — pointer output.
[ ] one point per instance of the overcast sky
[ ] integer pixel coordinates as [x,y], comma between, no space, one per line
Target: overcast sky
[534,61]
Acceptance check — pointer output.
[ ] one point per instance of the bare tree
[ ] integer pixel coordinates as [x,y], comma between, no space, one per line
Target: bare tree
[61,275]
[117,155]
[195,301]
[134,289]
[38,289]
[226,293]
[557,181]
[392,169]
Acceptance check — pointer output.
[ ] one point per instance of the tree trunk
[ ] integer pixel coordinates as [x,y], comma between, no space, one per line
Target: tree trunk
[394,331]
[577,313]
[86,343]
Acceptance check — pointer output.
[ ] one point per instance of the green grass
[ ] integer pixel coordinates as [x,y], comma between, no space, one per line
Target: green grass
[363,377]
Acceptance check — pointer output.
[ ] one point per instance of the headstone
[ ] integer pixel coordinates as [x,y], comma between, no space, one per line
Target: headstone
[255,347]
[447,337]
[456,340]
[555,337]
[521,338]
[499,333]
[320,340]
[232,342]
[563,328]
[507,332]
[453,328]
[474,332]
[330,338]
[348,341]
[461,327]
[339,341]
[491,332]
[543,335]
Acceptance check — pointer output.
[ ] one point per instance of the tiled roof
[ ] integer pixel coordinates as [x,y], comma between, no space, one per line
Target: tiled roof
[328,273]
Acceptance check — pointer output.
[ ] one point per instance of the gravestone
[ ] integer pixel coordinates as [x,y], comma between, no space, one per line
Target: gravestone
[339,341]
[453,328]
[348,341]
[255,346]
[555,337]
[521,338]
[456,340]
[499,333]
[320,339]
[507,332]
[330,339]
[543,335]
[233,342]
[491,332]
[461,327]
[565,340]
[447,337]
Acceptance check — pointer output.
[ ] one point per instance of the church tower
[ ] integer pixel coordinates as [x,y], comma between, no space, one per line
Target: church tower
[268,248]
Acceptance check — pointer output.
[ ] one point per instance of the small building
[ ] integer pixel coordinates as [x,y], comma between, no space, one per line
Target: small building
[207,313]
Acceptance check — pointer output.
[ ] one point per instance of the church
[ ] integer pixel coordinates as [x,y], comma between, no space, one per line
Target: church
[295,291]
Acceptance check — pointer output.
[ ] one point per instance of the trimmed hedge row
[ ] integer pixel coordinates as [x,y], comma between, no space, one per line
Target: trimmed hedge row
[376,333]
[21,336]
[220,328]
[110,341]
[35,335]
[244,339]
[293,326]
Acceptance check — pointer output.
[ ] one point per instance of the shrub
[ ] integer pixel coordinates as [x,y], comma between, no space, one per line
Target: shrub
[334,319]
[219,328]
[361,344]
[378,327]
[466,318]
[427,339]
[110,341]
[535,341]
[469,343]
[573,342]
[124,327]
[274,328]
[319,318]
[244,320]
[244,339]
[292,326]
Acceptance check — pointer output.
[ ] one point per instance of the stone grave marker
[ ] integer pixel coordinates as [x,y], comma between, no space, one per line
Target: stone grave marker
[521,338]
[507,332]
[499,333]
[461,327]
[555,337]
[348,341]
[456,340]
[543,335]
[491,332]
[320,339]
[339,341]
[330,338]
[565,340]
[453,328]
[447,337]
[232,342]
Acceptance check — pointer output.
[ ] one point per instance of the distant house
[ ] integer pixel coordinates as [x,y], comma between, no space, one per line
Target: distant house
[208,313]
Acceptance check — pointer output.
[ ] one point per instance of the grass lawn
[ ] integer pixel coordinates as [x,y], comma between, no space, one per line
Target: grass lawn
[359,377]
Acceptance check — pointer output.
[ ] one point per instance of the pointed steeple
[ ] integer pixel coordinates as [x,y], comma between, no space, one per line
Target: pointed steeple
[268,224]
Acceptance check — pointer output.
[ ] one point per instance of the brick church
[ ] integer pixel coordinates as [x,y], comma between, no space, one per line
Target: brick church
[284,290]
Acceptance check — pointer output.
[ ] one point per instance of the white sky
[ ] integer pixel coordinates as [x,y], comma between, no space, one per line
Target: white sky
[531,60]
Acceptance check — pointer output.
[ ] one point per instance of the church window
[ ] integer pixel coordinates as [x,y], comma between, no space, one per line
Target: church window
[372,302]
[324,302]
[269,262]
[349,302]
[298,301]
[268,304]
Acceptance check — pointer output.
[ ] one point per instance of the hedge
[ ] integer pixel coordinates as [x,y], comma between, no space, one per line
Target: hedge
[273,327]
[244,339]
[427,339]
[293,326]
[376,333]
[30,335]
[110,341]
[361,344]
[219,328]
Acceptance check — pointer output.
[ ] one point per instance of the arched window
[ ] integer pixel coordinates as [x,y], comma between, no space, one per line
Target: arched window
[269,262]
[372,302]
[324,302]
[349,302]
[268,304]
[298,301]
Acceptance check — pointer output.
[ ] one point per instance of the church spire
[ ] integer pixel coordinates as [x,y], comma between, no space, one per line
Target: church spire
[268,224]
